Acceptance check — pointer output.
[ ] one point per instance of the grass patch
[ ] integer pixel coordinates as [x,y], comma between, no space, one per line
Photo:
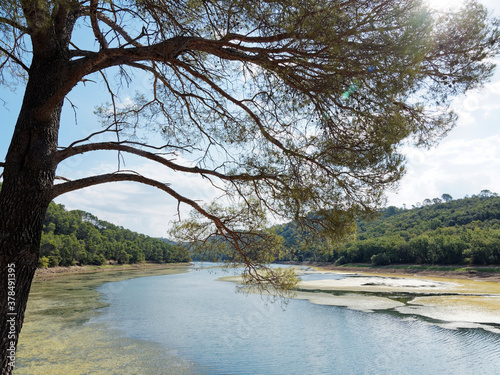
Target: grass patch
[449,268]
[355,265]
[488,269]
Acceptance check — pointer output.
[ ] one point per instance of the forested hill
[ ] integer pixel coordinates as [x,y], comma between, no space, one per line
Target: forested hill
[78,237]
[463,231]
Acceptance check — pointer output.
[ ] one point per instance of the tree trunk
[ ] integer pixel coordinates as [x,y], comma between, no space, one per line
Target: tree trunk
[26,192]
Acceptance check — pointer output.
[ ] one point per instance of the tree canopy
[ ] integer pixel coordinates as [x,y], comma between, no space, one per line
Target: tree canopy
[78,237]
[288,107]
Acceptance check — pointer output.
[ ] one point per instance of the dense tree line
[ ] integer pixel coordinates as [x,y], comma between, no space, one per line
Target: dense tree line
[464,231]
[78,237]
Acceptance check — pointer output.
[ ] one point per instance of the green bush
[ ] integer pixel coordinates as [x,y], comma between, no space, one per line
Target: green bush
[43,262]
[341,261]
[53,261]
[380,259]
[98,260]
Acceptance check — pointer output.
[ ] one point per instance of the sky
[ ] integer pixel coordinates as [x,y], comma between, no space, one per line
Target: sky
[467,160]
[464,163]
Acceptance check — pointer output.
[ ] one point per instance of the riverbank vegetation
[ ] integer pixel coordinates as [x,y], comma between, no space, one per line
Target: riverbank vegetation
[79,238]
[444,232]
[440,232]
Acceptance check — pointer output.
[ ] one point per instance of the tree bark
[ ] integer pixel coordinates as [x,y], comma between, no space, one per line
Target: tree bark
[29,172]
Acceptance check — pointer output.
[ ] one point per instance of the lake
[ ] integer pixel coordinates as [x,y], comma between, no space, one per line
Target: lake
[201,319]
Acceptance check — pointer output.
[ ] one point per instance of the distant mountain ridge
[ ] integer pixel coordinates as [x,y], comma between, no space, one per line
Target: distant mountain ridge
[462,231]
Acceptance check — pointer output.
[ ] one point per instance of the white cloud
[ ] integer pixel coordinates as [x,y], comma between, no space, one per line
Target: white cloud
[466,161]
[484,101]
[457,167]
[135,206]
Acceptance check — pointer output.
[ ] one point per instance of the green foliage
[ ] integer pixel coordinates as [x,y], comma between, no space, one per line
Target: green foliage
[248,236]
[380,259]
[78,237]
[464,231]
[250,93]
[43,262]
[280,282]
[341,261]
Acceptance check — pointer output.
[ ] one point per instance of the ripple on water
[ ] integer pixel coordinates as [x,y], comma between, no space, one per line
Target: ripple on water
[229,333]
[151,322]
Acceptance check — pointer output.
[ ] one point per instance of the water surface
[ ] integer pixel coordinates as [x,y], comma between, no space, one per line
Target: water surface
[203,320]
[58,339]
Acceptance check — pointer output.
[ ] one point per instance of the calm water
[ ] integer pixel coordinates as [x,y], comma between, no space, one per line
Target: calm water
[224,332]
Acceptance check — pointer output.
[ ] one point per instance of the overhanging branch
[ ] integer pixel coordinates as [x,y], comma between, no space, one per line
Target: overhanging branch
[121,146]
[108,21]
[223,230]
[69,186]
[286,150]
[95,27]
[13,24]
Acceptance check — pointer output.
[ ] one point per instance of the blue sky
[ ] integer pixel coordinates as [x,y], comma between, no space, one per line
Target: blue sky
[464,163]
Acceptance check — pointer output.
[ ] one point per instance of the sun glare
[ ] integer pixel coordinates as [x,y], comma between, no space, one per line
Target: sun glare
[443,4]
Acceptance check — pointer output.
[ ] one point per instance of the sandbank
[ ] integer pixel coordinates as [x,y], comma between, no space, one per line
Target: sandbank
[448,302]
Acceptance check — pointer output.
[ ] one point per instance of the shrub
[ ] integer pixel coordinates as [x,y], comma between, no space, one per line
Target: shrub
[342,260]
[380,259]
[43,262]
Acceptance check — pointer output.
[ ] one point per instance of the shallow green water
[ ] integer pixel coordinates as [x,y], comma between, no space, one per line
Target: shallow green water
[57,337]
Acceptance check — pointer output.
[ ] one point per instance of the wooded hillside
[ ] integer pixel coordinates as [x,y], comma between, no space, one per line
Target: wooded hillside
[78,237]
[463,231]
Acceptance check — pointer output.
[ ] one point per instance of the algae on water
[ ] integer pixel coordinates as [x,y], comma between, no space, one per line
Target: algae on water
[57,337]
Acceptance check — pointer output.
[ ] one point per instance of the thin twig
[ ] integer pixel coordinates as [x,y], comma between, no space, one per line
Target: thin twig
[15,59]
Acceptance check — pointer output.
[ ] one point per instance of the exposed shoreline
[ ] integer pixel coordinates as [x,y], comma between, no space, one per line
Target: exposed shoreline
[472,273]
[451,299]
[42,274]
